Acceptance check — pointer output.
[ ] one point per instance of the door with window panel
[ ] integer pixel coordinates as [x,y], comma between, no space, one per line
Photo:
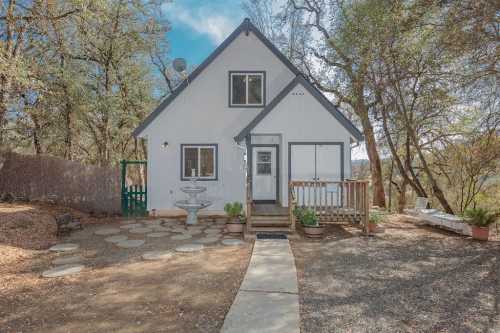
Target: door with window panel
[264,177]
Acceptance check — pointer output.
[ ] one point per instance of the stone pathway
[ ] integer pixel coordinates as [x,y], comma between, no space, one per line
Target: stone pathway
[267,300]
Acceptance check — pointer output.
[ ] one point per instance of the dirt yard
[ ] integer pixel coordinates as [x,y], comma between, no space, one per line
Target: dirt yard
[117,290]
[407,279]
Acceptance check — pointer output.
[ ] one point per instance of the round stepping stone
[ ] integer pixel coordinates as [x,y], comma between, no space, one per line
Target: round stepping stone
[67,260]
[116,238]
[189,248]
[65,247]
[232,242]
[130,243]
[157,255]
[178,229]
[207,240]
[143,230]
[107,231]
[212,231]
[158,234]
[62,271]
[181,237]
[131,226]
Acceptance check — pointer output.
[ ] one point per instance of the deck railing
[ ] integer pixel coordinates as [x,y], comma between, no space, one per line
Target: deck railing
[249,206]
[333,201]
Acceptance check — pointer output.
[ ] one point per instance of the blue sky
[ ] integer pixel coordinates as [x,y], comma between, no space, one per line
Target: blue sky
[199,26]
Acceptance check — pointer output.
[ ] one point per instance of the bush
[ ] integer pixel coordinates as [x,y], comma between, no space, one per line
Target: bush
[376,217]
[480,217]
[306,217]
[234,209]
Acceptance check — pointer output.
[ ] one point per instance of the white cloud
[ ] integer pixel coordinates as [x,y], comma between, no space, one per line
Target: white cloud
[203,20]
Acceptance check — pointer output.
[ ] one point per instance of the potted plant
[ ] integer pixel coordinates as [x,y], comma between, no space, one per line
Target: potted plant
[236,221]
[374,219]
[480,220]
[310,223]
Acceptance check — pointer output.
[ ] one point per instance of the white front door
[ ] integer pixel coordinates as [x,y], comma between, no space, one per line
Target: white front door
[264,177]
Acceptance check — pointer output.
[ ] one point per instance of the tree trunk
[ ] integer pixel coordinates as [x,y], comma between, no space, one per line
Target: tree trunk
[375,164]
[402,196]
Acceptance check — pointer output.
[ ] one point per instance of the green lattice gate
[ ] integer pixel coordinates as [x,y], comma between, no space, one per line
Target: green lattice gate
[134,196]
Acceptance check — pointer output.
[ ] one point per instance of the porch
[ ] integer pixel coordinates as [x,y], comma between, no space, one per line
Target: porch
[332,201]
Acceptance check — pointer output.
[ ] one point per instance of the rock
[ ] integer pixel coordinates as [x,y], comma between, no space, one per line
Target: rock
[181,237]
[157,234]
[116,238]
[67,260]
[189,248]
[64,247]
[131,226]
[157,255]
[232,242]
[130,243]
[63,270]
[143,230]
[107,231]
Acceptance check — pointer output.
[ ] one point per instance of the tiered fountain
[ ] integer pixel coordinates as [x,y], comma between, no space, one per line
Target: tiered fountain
[192,205]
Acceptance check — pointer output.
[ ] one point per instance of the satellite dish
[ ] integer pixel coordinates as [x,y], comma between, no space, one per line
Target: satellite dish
[179,65]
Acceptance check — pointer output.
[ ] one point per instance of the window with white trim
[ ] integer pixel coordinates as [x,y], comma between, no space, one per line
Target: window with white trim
[247,89]
[199,160]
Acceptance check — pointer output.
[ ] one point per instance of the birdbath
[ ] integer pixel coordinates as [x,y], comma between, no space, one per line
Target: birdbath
[192,205]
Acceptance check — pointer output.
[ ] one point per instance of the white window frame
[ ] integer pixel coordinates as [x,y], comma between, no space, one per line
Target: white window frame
[247,74]
[212,146]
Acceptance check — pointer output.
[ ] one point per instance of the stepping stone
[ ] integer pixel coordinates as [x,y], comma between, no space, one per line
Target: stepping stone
[178,229]
[157,255]
[116,238]
[232,242]
[130,243]
[62,271]
[212,231]
[189,248]
[160,228]
[143,230]
[65,247]
[181,237]
[154,222]
[131,226]
[128,222]
[158,234]
[193,232]
[67,260]
[207,240]
[107,231]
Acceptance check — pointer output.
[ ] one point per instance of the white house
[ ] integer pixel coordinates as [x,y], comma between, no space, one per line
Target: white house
[246,108]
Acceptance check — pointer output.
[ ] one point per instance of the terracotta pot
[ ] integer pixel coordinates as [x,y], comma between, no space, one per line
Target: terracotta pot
[480,233]
[372,227]
[234,227]
[314,232]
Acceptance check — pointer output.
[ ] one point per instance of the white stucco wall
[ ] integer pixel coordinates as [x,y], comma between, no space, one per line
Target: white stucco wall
[200,114]
[299,117]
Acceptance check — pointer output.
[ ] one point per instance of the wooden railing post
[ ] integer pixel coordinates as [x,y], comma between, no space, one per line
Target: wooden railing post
[366,207]
[249,207]
[291,205]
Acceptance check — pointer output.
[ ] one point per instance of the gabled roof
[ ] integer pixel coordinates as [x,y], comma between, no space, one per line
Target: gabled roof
[246,26]
[299,79]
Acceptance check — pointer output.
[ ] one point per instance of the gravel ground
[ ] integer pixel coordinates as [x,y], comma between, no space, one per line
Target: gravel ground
[407,279]
[117,291]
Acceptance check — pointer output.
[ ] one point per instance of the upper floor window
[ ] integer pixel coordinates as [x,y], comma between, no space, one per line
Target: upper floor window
[247,89]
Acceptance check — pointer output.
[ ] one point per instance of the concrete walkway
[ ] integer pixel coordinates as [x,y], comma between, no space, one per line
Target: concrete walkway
[268,298]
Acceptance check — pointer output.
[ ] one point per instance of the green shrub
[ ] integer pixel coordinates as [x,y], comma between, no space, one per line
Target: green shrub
[233,210]
[480,217]
[376,217]
[306,216]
